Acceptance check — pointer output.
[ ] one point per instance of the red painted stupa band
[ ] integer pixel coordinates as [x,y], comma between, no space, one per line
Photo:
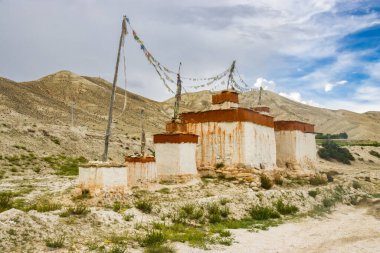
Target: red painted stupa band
[225,96]
[288,125]
[175,138]
[228,115]
[146,159]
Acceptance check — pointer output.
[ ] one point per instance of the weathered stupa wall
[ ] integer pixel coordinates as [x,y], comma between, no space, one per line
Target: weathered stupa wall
[141,170]
[103,177]
[233,136]
[175,154]
[295,144]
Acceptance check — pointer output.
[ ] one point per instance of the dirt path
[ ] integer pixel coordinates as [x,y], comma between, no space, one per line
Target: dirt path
[347,229]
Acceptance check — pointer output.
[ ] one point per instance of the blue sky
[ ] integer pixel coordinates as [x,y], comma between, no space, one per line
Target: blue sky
[324,53]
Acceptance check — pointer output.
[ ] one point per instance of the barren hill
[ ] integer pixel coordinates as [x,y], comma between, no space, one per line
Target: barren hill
[34,113]
[37,114]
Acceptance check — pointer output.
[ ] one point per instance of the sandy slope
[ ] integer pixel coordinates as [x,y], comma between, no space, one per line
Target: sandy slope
[347,229]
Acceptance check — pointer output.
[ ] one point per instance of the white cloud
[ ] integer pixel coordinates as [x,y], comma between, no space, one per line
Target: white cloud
[261,35]
[266,84]
[368,93]
[296,96]
[330,86]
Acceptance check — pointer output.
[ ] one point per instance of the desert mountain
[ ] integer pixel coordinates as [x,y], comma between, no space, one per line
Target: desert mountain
[38,113]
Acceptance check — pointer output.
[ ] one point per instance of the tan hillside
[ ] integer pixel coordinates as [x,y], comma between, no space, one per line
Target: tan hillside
[363,126]
[36,113]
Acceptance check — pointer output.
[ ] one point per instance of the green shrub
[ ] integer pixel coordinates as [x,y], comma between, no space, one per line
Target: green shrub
[343,135]
[313,193]
[286,209]
[263,213]
[213,208]
[224,211]
[266,182]
[318,179]
[214,218]
[356,184]
[328,202]
[128,217]
[66,166]
[117,249]
[164,190]
[219,165]
[55,140]
[5,201]
[214,213]
[278,179]
[79,210]
[374,153]
[188,209]
[144,206]
[116,206]
[330,150]
[56,242]
[153,238]
[44,205]
[224,201]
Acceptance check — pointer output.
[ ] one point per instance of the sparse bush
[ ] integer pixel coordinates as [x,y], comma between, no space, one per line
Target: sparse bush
[286,209]
[215,213]
[85,194]
[2,173]
[188,209]
[117,249]
[213,208]
[224,211]
[36,169]
[116,206]
[224,201]
[79,210]
[356,184]
[277,179]
[313,193]
[153,238]
[55,140]
[44,205]
[56,242]
[66,166]
[11,231]
[5,201]
[164,190]
[318,179]
[374,153]
[219,165]
[330,150]
[144,206]
[266,182]
[263,213]
[214,218]
[328,202]
[128,217]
